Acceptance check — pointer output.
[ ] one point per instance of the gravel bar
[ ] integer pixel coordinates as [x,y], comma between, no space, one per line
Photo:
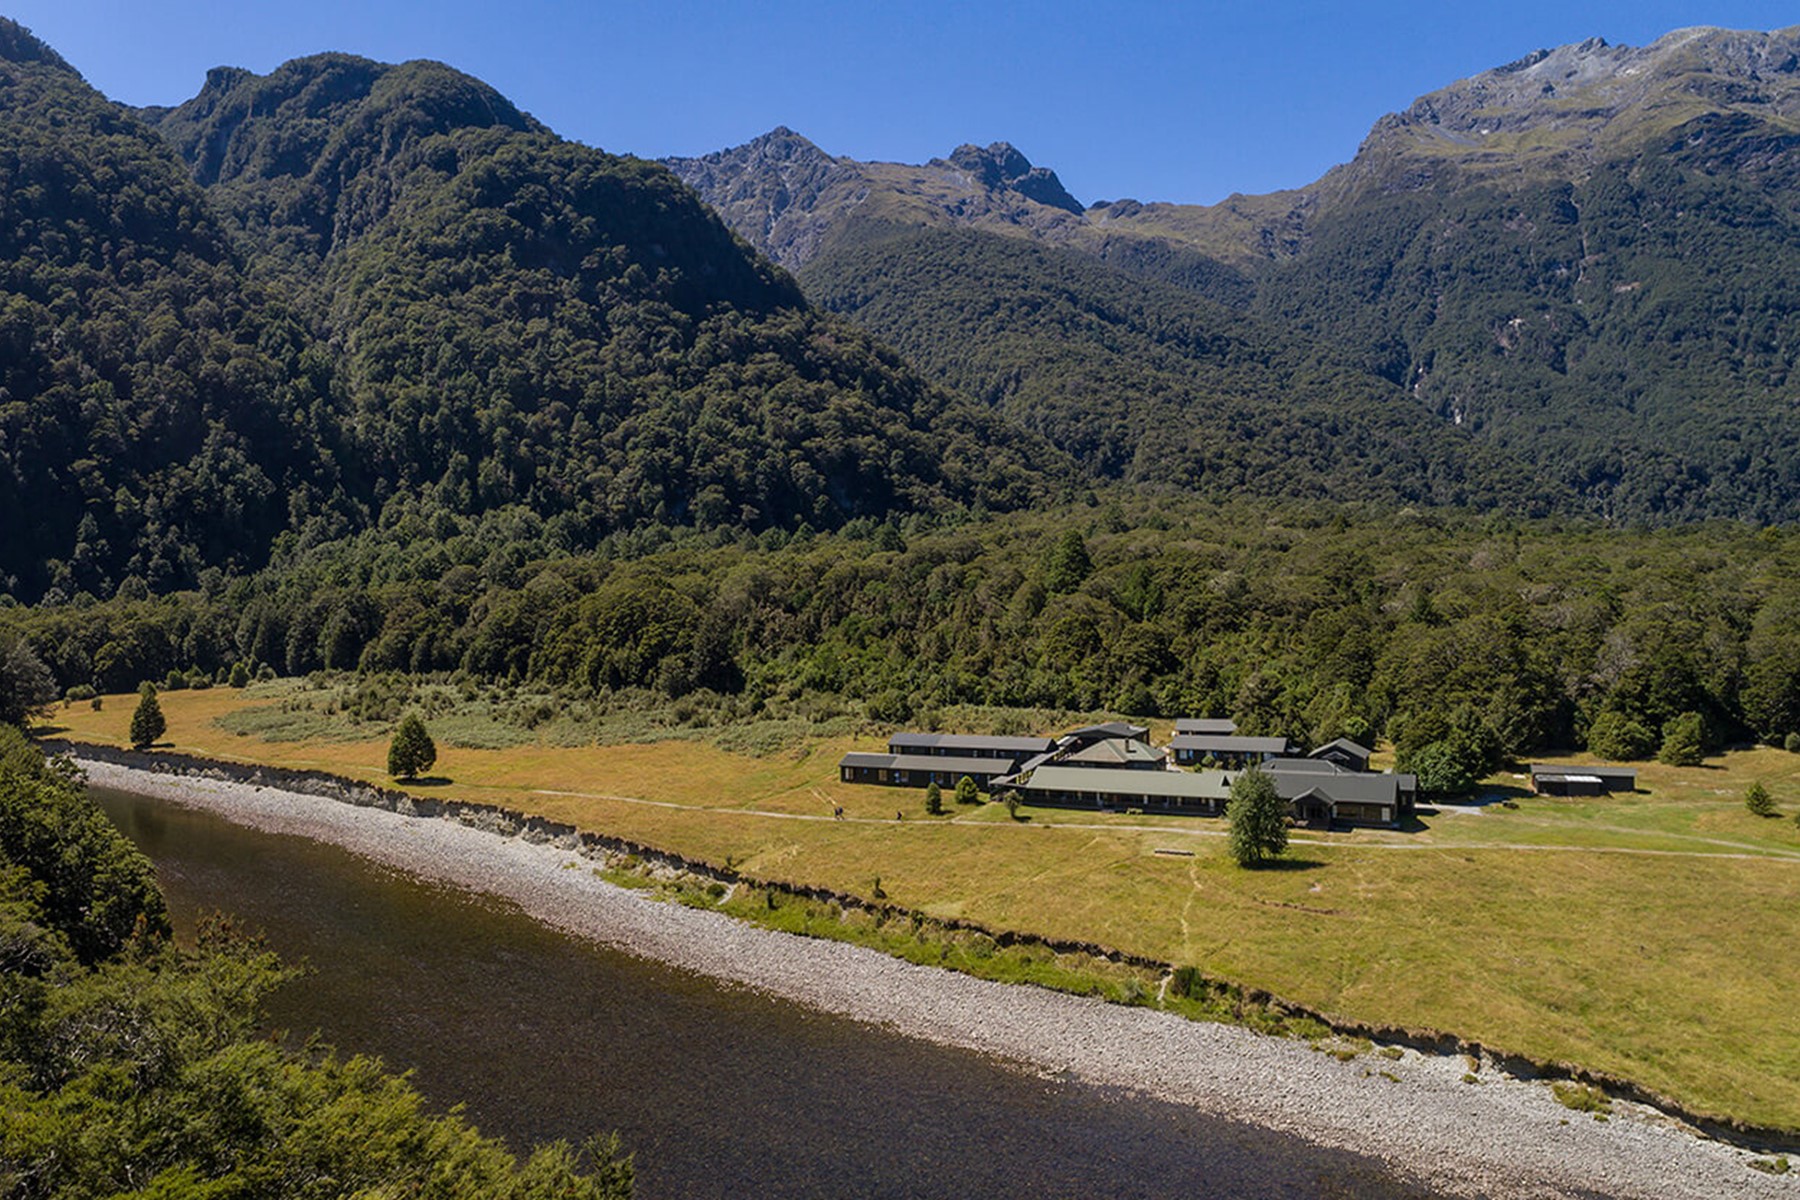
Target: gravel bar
[1502,1137]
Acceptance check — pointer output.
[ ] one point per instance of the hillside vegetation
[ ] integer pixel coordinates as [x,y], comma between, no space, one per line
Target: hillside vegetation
[383,291]
[136,1066]
[1580,261]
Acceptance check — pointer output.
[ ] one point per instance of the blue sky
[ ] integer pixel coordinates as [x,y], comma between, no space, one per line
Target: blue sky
[1184,102]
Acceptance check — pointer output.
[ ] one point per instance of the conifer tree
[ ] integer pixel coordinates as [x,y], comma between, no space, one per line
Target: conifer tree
[147,723]
[967,792]
[934,799]
[1758,800]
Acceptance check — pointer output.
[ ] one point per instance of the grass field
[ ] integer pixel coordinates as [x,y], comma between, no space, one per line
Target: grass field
[1649,935]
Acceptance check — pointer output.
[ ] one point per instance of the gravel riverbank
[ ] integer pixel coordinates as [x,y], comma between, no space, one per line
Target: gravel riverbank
[1499,1137]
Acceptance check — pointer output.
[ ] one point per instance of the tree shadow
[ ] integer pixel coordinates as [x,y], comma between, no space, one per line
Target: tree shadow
[1289,864]
[48,730]
[431,781]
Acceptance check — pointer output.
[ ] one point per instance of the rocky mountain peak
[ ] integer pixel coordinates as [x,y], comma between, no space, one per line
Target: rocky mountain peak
[1001,166]
[1573,96]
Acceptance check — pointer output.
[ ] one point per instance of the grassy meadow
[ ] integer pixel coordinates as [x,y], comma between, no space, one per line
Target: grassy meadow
[1648,935]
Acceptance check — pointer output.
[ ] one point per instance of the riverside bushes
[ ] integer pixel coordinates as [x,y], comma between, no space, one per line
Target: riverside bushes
[129,1064]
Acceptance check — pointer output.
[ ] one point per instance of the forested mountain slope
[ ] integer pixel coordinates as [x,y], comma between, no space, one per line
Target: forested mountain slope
[1143,381]
[1582,259]
[157,412]
[395,295]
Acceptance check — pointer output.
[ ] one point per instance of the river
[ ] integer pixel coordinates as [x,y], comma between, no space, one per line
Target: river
[717,1090]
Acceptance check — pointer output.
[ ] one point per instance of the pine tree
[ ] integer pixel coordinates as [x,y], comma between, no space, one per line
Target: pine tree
[1758,800]
[934,799]
[412,749]
[1258,819]
[147,723]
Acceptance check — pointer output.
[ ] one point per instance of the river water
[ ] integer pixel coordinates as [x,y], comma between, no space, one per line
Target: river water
[718,1091]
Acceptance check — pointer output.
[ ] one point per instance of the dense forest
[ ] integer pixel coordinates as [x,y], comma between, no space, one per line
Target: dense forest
[1312,621]
[395,289]
[1145,381]
[137,1066]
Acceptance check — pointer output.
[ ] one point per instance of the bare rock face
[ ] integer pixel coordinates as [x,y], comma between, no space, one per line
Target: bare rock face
[1001,167]
[779,191]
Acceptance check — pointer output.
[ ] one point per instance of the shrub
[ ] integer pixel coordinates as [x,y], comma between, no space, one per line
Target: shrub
[1758,800]
[1582,1097]
[1792,743]
[1444,768]
[80,691]
[966,792]
[1616,736]
[934,799]
[240,675]
[174,681]
[1683,742]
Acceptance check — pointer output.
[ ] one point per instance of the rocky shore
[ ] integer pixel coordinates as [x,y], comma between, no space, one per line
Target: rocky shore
[1500,1136]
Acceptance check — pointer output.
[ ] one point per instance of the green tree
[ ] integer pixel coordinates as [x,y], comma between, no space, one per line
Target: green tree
[1683,741]
[1618,737]
[1067,564]
[1443,768]
[966,791]
[147,723]
[1758,800]
[240,674]
[934,799]
[1258,819]
[412,749]
[1791,743]
[26,685]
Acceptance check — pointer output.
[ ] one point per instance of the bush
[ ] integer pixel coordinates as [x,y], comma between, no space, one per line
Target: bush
[1758,800]
[966,791]
[1616,736]
[240,675]
[1683,742]
[1444,768]
[1792,743]
[80,691]
[934,799]
[174,681]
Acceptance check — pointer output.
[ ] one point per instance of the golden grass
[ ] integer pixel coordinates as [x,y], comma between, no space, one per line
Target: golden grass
[1649,935]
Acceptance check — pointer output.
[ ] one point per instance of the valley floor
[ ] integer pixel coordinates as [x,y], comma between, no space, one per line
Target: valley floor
[1495,1137]
[1639,935]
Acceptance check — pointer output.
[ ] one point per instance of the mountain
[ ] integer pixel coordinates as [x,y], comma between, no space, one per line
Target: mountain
[1131,355]
[1583,260]
[156,413]
[791,200]
[348,293]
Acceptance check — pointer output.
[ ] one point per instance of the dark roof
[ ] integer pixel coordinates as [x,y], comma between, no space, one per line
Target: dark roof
[1217,744]
[1304,766]
[1356,787]
[1218,726]
[1111,729]
[1192,785]
[1116,750]
[924,762]
[1355,750]
[971,741]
